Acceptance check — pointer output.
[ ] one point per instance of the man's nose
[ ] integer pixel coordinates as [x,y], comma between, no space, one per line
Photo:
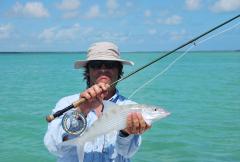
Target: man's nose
[103,66]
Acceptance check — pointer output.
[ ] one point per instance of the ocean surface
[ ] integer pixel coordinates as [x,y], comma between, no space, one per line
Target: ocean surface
[202,92]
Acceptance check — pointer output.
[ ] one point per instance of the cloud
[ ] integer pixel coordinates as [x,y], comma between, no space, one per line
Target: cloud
[73,32]
[177,35]
[48,35]
[193,4]
[26,46]
[30,9]
[147,13]
[93,12]
[129,4]
[113,9]
[68,33]
[111,36]
[152,31]
[171,20]
[112,6]
[69,5]
[5,31]
[225,5]
[71,14]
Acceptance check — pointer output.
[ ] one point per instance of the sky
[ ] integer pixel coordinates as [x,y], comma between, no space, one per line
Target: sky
[134,25]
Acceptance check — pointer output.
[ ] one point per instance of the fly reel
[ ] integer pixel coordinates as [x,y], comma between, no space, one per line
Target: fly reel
[74,122]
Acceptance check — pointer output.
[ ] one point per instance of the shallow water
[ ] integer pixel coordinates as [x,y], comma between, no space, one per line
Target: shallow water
[202,91]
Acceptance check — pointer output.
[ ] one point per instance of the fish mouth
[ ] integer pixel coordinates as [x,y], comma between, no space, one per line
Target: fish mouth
[164,112]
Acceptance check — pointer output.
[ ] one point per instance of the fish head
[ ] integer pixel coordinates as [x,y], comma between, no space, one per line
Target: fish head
[153,113]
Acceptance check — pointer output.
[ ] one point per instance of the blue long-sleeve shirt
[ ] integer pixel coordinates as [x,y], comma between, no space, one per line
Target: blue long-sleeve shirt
[106,148]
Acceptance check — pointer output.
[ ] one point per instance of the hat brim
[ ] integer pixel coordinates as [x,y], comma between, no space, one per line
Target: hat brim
[82,63]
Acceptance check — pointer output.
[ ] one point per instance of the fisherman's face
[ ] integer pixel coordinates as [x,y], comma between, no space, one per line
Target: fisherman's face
[103,71]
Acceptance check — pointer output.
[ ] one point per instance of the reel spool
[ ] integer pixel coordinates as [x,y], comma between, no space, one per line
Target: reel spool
[74,123]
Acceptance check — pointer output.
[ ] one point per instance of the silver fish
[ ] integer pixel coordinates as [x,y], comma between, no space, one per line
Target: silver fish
[114,118]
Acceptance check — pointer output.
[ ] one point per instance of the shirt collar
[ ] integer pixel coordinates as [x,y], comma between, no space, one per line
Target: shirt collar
[115,97]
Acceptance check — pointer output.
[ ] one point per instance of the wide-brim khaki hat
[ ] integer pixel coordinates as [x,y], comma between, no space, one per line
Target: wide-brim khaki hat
[106,51]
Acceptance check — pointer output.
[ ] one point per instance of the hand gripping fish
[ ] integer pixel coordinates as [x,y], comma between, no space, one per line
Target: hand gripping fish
[114,118]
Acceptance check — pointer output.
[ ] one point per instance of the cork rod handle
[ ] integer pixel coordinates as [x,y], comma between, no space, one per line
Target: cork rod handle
[75,104]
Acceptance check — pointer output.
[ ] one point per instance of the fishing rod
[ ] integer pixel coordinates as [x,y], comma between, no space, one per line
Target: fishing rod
[77,103]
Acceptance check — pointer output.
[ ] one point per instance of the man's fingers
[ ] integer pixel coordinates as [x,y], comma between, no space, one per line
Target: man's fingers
[136,123]
[97,89]
[142,123]
[92,92]
[104,86]
[85,95]
[101,90]
[129,124]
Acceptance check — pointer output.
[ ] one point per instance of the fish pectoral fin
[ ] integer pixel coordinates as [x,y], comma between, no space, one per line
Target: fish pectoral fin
[80,152]
[149,122]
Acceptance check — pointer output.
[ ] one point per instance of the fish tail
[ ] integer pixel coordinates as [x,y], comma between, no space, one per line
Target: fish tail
[79,145]
[80,152]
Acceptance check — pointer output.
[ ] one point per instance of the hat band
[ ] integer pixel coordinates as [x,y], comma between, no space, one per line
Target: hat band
[103,55]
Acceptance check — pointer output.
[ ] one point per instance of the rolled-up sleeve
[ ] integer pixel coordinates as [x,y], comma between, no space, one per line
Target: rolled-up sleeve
[128,146]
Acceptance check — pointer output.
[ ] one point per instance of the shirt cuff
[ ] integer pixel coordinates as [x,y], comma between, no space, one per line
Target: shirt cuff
[127,146]
[125,139]
[123,133]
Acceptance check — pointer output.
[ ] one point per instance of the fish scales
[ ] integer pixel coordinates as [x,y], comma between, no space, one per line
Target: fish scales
[111,120]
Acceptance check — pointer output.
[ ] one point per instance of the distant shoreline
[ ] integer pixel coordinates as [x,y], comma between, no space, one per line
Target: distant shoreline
[83,52]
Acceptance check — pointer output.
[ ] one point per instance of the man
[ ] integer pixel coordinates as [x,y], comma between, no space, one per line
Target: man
[102,67]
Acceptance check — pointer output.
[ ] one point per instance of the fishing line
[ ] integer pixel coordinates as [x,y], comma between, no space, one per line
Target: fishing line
[217,34]
[181,56]
[161,72]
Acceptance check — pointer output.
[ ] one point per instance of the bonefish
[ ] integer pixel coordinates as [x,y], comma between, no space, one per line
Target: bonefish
[114,118]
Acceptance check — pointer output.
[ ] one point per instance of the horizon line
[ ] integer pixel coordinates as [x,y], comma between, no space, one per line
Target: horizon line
[237,50]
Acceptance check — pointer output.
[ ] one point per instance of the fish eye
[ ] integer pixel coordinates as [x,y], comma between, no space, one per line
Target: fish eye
[155,109]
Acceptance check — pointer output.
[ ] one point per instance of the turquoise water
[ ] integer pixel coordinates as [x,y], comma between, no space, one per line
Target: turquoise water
[202,91]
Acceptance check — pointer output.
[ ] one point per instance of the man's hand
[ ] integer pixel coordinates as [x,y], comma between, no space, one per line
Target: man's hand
[136,124]
[94,96]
